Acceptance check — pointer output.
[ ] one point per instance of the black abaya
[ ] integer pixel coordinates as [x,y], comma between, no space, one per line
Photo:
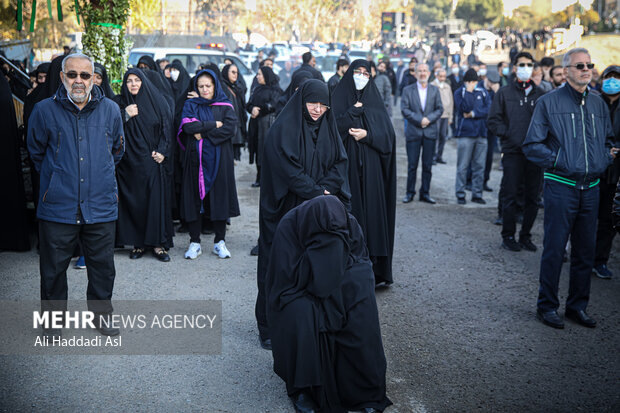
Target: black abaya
[236,94]
[144,216]
[303,158]
[372,166]
[326,339]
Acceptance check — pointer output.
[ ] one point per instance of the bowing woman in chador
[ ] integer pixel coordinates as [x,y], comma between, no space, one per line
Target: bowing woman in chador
[322,311]
[304,158]
[368,136]
[208,126]
[144,218]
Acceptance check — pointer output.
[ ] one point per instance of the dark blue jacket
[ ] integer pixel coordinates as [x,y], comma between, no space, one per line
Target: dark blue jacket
[478,101]
[75,152]
[570,135]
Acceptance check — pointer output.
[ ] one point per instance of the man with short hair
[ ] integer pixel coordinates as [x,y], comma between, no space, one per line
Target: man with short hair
[503,68]
[557,76]
[342,65]
[257,62]
[537,78]
[421,107]
[75,139]
[546,63]
[409,76]
[308,64]
[570,137]
[286,74]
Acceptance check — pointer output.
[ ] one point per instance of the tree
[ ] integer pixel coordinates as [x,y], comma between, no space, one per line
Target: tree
[145,15]
[481,12]
[427,11]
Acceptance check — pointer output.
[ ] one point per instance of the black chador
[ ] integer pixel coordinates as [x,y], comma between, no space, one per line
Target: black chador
[322,311]
[303,159]
[144,217]
[236,93]
[372,165]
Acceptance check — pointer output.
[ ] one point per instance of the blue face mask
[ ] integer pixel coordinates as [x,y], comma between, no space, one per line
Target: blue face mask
[611,86]
[505,71]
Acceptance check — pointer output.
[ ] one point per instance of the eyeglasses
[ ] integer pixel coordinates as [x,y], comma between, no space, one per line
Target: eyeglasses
[314,106]
[83,75]
[581,66]
[360,72]
[526,65]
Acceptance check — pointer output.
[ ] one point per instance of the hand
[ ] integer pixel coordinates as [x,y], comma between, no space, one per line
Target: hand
[425,122]
[255,112]
[470,86]
[326,192]
[132,110]
[358,104]
[614,152]
[218,124]
[192,94]
[358,134]
[468,115]
[197,136]
[157,157]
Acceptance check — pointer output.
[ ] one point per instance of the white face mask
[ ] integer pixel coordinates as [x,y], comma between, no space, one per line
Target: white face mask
[174,75]
[455,70]
[524,73]
[360,81]
[482,72]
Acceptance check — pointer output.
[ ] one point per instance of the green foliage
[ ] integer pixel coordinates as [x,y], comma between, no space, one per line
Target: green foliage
[145,15]
[480,12]
[428,11]
[104,35]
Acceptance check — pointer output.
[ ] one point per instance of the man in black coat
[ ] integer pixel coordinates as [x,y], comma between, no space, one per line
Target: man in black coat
[308,64]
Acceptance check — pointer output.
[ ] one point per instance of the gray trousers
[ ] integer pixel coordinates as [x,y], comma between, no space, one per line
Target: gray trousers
[470,151]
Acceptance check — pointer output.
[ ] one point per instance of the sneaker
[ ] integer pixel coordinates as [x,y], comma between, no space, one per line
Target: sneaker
[498,221]
[193,251]
[510,244]
[80,264]
[603,272]
[461,201]
[527,244]
[220,250]
[478,200]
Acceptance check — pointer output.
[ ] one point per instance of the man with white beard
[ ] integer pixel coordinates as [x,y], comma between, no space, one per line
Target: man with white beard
[75,138]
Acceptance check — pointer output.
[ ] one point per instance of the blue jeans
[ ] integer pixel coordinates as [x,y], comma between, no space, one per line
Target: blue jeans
[470,152]
[568,212]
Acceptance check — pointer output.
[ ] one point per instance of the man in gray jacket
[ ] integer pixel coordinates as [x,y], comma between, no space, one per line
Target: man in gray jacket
[421,107]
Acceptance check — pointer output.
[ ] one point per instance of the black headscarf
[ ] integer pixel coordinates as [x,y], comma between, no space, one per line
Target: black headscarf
[148,60]
[267,92]
[105,83]
[42,68]
[298,78]
[179,88]
[46,90]
[160,82]
[238,98]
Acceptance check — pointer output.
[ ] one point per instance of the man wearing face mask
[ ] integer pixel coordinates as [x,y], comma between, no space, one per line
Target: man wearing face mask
[509,118]
[605,232]
[503,68]
[455,78]
[570,136]
[75,138]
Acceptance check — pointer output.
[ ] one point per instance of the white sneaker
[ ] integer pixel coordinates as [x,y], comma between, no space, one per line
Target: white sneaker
[193,251]
[220,250]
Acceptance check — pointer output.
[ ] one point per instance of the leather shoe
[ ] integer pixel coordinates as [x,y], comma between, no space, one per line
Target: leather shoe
[136,253]
[103,328]
[580,317]
[265,343]
[303,403]
[427,199]
[487,188]
[408,198]
[461,201]
[162,255]
[441,161]
[478,200]
[255,185]
[550,318]
[527,244]
[254,251]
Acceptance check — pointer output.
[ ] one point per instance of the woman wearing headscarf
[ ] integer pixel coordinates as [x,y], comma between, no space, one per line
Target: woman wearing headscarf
[304,158]
[100,78]
[236,93]
[208,124]
[261,107]
[298,78]
[144,218]
[326,338]
[180,83]
[369,139]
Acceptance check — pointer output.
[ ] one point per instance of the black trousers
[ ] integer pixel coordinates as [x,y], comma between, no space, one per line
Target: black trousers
[519,171]
[195,227]
[427,147]
[605,232]
[491,143]
[57,243]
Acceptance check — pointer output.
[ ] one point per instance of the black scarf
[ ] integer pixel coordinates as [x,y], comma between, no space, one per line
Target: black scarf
[268,92]
[105,83]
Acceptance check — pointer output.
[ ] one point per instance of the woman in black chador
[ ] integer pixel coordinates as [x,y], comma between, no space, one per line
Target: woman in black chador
[261,107]
[322,311]
[368,136]
[208,124]
[235,91]
[144,218]
[304,158]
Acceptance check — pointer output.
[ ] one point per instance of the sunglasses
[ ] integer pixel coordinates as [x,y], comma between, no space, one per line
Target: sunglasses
[581,66]
[359,72]
[83,75]
[526,65]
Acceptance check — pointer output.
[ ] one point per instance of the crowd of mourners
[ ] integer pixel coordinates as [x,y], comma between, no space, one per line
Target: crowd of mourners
[120,170]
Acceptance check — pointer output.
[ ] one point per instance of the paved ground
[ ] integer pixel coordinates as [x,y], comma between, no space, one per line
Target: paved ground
[459,328]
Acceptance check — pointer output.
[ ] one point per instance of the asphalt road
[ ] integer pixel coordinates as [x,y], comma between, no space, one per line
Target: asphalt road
[459,324]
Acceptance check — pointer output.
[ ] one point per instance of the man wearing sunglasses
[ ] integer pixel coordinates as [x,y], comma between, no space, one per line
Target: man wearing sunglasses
[75,138]
[570,137]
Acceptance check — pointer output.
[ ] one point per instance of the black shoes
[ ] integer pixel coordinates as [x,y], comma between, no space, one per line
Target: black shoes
[487,188]
[527,244]
[441,161]
[408,198]
[461,201]
[303,403]
[161,255]
[183,228]
[580,317]
[254,251]
[136,253]
[427,199]
[256,184]
[265,343]
[105,328]
[478,200]
[499,220]
[550,318]
[510,244]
